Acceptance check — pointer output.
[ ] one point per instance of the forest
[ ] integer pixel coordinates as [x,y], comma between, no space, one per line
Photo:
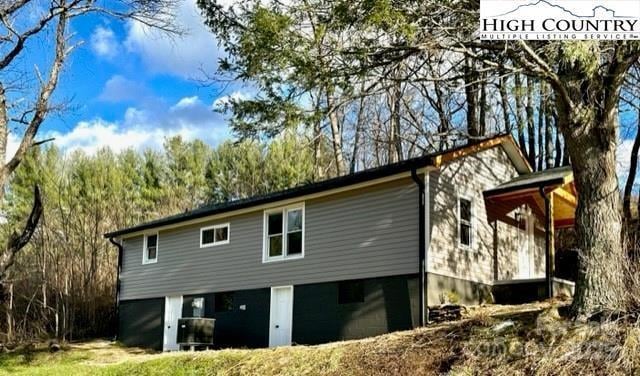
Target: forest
[339,87]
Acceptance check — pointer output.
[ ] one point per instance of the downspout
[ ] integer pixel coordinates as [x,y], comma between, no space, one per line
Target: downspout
[117,307]
[421,246]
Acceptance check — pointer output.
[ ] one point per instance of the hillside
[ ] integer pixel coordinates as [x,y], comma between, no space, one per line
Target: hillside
[500,340]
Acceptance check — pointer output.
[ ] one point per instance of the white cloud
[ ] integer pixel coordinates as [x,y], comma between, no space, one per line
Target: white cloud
[185,56]
[119,89]
[90,136]
[104,42]
[146,128]
[222,101]
[187,102]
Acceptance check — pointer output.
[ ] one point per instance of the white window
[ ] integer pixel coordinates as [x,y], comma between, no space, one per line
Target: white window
[150,249]
[197,306]
[214,235]
[283,233]
[465,222]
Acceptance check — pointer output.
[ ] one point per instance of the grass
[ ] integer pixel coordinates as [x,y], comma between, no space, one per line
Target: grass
[497,340]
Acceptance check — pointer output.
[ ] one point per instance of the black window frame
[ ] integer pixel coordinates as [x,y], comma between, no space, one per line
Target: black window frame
[351,292]
[221,305]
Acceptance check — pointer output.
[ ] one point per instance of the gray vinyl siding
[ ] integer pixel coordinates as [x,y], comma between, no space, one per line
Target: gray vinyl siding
[365,233]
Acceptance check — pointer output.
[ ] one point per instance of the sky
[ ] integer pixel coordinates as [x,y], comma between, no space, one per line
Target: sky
[129,86]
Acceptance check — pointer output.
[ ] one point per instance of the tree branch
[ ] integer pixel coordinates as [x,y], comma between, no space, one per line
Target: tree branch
[42,104]
[18,241]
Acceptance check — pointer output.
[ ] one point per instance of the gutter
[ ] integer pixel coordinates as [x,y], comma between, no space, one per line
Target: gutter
[421,246]
[117,303]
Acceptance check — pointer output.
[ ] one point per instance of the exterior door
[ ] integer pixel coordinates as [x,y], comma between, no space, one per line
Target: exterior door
[281,316]
[526,247]
[172,312]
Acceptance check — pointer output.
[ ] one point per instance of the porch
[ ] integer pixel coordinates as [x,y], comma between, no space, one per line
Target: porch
[550,196]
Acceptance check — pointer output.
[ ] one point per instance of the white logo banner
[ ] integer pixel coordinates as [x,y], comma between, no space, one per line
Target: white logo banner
[559,19]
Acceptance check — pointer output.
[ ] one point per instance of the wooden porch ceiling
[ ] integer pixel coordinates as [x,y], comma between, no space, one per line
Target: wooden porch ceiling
[556,184]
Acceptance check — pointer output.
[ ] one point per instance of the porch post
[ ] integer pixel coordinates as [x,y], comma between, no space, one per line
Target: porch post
[549,243]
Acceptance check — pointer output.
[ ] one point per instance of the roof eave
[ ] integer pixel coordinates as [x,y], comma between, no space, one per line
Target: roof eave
[299,192]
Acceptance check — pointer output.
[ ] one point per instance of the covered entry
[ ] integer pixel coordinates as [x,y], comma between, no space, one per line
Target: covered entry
[549,195]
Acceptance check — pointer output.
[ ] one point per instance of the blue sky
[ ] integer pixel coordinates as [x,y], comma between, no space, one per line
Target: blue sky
[132,87]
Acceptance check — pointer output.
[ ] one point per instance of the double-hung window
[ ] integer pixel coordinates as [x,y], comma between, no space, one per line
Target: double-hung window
[150,249]
[465,222]
[283,233]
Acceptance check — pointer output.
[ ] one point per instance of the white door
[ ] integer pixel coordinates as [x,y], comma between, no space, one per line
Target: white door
[526,247]
[172,312]
[281,316]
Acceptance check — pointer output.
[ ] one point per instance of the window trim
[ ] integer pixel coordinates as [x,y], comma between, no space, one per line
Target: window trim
[145,255]
[265,236]
[193,300]
[214,227]
[471,223]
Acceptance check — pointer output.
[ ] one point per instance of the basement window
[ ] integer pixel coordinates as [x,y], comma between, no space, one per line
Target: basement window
[223,302]
[350,292]
[150,249]
[283,233]
[197,306]
[214,235]
[465,222]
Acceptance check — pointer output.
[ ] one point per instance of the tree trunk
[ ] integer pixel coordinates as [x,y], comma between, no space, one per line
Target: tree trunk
[336,133]
[504,102]
[318,167]
[600,283]
[356,139]
[542,111]
[393,101]
[558,160]
[10,314]
[483,106]
[548,132]
[531,133]
[444,126]
[471,92]
[631,178]
[519,115]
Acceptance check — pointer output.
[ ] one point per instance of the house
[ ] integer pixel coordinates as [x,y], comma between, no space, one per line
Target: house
[350,257]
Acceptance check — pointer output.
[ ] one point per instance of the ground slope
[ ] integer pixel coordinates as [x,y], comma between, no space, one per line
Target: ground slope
[529,339]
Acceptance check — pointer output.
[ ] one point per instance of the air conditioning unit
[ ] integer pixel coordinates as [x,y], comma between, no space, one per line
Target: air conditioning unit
[195,331]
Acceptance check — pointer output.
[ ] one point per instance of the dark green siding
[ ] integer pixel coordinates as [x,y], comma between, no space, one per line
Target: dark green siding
[238,328]
[390,304]
[141,323]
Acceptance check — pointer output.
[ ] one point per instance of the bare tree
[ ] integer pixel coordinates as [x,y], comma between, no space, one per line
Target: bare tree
[21,21]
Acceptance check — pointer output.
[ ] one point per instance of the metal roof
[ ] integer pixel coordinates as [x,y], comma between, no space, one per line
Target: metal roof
[535,179]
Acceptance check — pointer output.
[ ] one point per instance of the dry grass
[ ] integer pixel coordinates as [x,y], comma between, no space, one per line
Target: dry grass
[491,340]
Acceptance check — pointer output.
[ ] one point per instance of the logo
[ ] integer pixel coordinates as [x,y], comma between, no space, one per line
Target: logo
[560,20]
